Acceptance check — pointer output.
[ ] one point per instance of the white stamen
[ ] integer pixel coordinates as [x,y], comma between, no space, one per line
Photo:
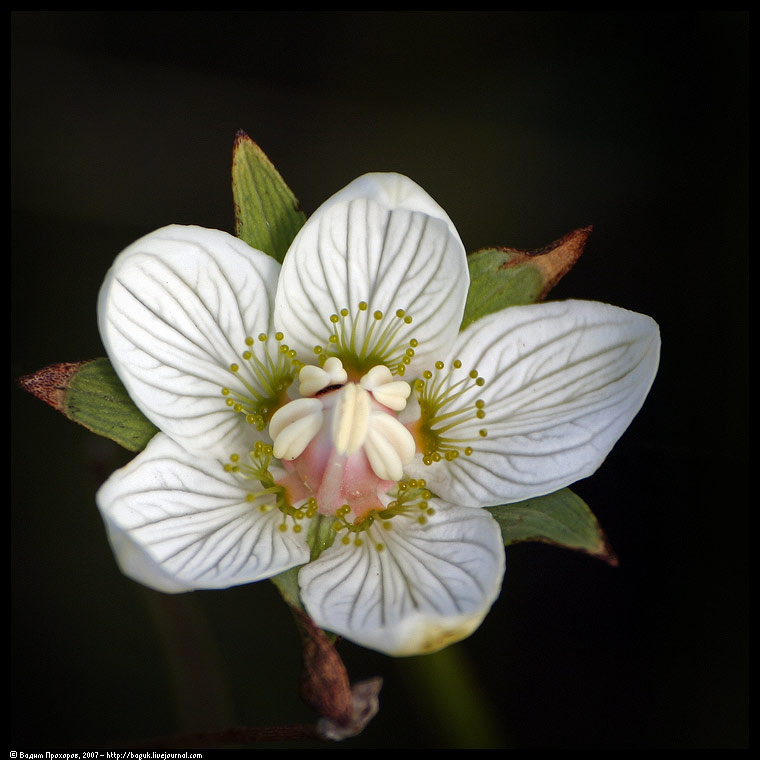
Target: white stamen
[313,379]
[334,367]
[378,375]
[387,391]
[389,446]
[351,419]
[294,425]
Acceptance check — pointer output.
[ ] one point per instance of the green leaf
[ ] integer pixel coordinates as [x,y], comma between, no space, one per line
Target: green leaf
[561,518]
[267,214]
[91,394]
[502,277]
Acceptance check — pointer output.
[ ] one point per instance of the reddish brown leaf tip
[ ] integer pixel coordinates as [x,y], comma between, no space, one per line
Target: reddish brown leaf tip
[558,258]
[241,136]
[554,260]
[242,139]
[607,554]
[50,383]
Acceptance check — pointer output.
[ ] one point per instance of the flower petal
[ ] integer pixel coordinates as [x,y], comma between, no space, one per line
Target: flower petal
[385,241]
[430,585]
[563,382]
[178,523]
[174,312]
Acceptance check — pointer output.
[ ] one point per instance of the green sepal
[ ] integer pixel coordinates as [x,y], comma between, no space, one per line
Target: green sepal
[502,277]
[91,394]
[561,518]
[320,536]
[267,214]
[287,585]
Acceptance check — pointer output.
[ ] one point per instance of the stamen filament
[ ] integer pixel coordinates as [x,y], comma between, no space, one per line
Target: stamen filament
[272,375]
[436,393]
[258,470]
[362,341]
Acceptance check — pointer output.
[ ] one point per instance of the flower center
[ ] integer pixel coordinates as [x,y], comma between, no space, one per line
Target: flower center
[342,448]
[343,439]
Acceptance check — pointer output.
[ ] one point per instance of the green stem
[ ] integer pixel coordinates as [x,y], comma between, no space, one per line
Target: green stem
[459,708]
[193,661]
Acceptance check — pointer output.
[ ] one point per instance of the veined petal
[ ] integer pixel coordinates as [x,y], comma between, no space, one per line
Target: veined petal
[563,382]
[174,312]
[392,190]
[177,522]
[382,240]
[412,589]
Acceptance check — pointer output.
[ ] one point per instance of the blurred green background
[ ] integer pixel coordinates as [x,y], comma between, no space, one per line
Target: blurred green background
[522,126]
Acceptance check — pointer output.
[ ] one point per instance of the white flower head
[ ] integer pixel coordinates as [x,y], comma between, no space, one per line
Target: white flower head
[337,389]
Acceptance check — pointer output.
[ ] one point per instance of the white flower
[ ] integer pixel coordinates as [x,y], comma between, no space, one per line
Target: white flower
[337,394]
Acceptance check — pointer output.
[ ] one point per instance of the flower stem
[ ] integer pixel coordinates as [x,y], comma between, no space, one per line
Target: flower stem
[458,706]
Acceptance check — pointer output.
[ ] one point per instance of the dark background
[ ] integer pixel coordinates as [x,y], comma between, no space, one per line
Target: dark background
[523,126]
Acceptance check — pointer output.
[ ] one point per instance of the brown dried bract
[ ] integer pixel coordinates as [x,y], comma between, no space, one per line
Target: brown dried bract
[344,710]
[50,384]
